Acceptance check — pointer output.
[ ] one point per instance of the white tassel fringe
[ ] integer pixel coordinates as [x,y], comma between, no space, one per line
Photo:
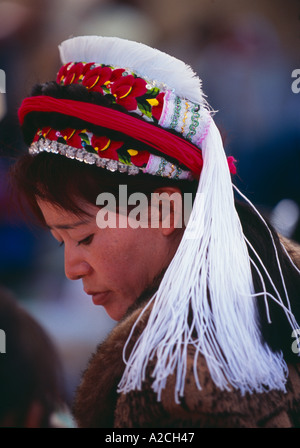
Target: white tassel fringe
[216,267]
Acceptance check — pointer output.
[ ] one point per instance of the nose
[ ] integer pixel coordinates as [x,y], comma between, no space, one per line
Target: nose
[76,267]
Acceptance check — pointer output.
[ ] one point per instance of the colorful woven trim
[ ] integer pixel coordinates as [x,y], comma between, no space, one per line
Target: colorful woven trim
[84,146]
[152,100]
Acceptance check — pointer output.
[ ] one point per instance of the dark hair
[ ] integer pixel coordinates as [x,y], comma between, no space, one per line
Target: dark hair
[278,333]
[62,181]
[30,369]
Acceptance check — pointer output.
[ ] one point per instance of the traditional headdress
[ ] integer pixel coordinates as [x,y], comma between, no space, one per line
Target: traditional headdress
[210,273]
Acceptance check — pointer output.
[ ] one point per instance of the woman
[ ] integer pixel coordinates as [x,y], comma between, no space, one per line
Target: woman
[207,304]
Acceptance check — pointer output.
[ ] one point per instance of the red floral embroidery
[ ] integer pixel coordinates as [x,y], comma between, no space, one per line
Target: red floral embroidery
[140,159]
[96,78]
[72,73]
[62,73]
[116,74]
[126,89]
[72,138]
[157,109]
[129,91]
[105,147]
[47,132]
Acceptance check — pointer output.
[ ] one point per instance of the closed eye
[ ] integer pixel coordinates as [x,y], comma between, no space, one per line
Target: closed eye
[86,241]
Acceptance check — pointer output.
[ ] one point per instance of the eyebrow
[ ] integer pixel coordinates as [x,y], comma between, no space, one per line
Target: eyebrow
[67,226]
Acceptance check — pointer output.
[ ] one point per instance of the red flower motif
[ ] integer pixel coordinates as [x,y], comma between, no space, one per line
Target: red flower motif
[116,74]
[96,78]
[157,108]
[50,133]
[126,89]
[72,138]
[62,73]
[138,158]
[46,132]
[71,73]
[105,147]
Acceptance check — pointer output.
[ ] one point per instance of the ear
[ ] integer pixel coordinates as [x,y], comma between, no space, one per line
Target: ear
[169,203]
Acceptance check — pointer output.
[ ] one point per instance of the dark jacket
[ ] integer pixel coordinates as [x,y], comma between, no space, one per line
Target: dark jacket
[97,403]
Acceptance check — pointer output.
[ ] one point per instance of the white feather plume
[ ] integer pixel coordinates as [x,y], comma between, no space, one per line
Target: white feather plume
[146,61]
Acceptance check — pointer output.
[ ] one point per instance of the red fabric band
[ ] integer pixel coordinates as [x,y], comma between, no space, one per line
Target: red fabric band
[158,138]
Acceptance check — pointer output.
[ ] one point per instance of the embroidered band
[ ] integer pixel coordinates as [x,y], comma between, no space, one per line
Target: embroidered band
[153,101]
[170,144]
[156,165]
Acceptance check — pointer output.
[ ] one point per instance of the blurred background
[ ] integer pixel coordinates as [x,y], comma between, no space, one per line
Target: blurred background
[245,52]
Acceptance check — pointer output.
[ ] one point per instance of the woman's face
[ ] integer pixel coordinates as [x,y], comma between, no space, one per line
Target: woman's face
[116,265]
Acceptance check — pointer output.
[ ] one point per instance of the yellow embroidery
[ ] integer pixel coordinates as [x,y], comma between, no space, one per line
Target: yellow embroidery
[93,85]
[126,94]
[172,170]
[185,116]
[132,152]
[153,102]
[105,147]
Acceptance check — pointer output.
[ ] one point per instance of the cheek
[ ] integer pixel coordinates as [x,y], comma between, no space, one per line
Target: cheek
[127,271]
[123,261]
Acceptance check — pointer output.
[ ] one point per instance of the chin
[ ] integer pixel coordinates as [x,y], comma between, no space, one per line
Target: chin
[117,309]
[115,315]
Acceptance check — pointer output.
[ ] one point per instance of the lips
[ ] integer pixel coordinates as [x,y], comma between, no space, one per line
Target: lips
[99,298]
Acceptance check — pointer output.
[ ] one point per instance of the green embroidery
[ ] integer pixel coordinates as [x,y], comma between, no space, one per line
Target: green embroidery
[179,171]
[194,123]
[176,115]
[161,168]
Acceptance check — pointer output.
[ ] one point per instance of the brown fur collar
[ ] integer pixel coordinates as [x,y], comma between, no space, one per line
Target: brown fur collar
[96,396]
[97,403]
[293,248]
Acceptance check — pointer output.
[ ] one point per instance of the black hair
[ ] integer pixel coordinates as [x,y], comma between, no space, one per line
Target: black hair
[277,333]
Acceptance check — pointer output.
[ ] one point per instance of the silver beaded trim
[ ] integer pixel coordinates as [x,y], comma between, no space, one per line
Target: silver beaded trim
[157,166]
[81,155]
